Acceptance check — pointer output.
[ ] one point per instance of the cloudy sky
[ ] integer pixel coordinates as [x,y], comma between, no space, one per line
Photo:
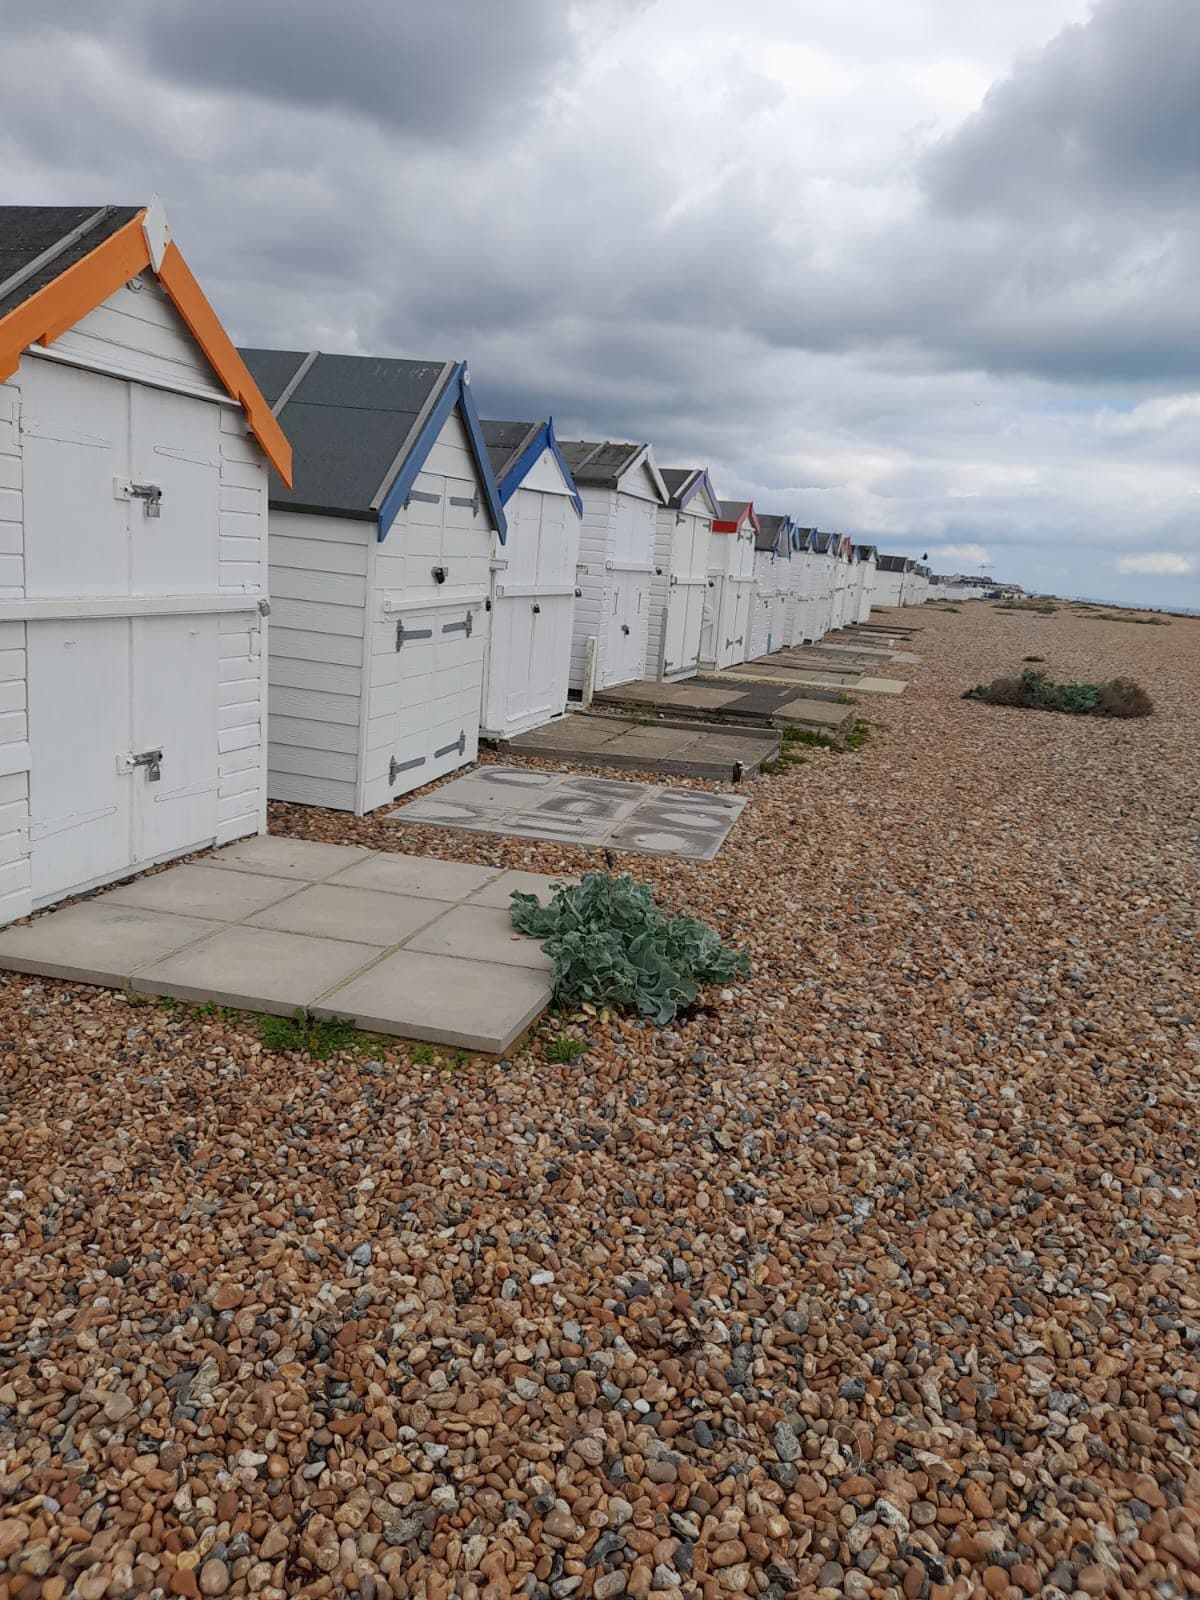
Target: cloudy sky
[925,271]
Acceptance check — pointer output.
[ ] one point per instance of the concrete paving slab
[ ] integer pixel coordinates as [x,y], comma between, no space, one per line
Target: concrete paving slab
[691,692]
[336,911]
[480,933]
[826,716]
[680,822]
[421,876]
[499,892]
[881,685]
[469,1005]
[305,859]
[737,701]
[256,969]
[581,810]
[667,744]
[98,941]
[199,889]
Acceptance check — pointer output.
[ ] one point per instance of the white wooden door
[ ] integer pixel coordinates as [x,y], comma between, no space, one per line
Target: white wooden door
[675,629]
[103,690]
[625,628]
[79,722]
[176,673]
[427,687]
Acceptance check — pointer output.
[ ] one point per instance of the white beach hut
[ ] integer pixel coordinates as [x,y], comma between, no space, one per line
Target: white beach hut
[133,520]
[680,580]
[800,583]
[772,584]
[890,573]
[379,575]
[622,490]
[528,653]
[725,634]
[865,555]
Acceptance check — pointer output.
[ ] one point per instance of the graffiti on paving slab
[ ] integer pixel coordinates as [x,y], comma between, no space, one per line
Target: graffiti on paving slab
[565,808]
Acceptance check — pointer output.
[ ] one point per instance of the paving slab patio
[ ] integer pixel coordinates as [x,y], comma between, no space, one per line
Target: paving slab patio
[734,701]
[397,943]
[571,809]
[677,749]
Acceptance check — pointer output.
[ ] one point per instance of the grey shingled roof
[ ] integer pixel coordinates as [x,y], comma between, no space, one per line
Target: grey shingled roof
[678,480]
[348,420]
[892,563]
[28,232]
[733,510]
[505,441]
[767,537]
[599,466]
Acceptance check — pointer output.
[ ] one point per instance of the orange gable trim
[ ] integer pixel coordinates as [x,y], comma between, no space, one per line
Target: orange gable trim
[48,314]
[176,278]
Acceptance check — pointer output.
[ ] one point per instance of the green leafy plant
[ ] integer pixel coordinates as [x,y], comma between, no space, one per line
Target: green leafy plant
[421,1055]
[1035,691]
[612,945]
[1033,658]
[302,1034]
[565,1050]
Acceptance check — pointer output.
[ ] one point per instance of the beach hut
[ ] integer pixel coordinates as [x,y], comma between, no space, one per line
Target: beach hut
[865,555]
[772,581]
[825,557]
[890,573]
[622,490]
[680,579]
[725,635]
[379,575]
[133,523]
[528,653]
[845,582]
[801,583]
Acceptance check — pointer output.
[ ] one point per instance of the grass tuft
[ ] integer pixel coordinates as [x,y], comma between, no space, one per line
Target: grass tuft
[302,1034]
[565,1050]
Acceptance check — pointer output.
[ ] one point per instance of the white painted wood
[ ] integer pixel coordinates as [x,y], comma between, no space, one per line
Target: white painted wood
[678,590]
[122,632]
[138,334]
[345,703]
[533,607]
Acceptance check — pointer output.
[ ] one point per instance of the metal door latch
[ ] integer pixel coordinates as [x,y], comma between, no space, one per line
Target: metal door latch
[403,634]
[150,759]
[536,609]
[395,768]
[624,627]
[149,493]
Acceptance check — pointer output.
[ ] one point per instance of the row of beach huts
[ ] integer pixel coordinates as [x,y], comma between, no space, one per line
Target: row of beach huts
[431,577]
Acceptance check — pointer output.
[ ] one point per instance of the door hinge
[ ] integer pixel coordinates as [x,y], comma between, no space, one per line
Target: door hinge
[149,493]
[466,626]
[403,634]
[150,759]
[460,500]
[425,499]
[460,744]
[395,768]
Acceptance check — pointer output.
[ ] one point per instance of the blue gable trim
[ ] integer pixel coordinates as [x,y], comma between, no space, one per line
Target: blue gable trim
[457,392]
[699,482]
[544,439]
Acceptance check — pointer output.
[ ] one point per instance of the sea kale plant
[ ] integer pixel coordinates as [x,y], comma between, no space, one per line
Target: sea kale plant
[612,945]
[1034,690]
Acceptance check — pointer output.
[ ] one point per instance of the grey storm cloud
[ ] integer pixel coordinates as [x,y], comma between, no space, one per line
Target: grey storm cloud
[1109,111]
[806,248]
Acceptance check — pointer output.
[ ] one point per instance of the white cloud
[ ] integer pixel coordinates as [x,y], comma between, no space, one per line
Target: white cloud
[1156,564]
[960,555]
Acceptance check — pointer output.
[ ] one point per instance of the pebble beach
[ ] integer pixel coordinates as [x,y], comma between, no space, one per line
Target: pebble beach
[877,1275]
